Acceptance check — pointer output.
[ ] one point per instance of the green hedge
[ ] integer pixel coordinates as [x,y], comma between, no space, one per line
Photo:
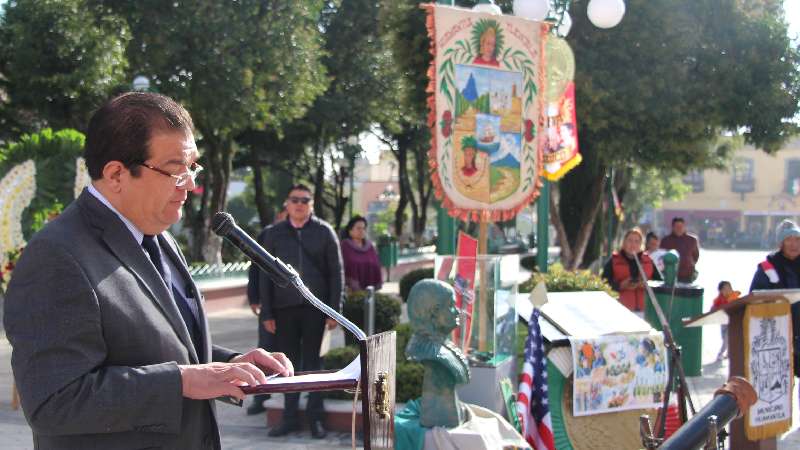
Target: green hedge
[387,312]
[560,280]
[410,279]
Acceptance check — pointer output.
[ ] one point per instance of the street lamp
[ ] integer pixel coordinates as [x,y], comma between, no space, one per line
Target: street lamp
[141,83]
[605,13]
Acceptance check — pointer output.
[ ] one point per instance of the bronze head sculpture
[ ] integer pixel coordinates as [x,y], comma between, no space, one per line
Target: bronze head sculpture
[433,316]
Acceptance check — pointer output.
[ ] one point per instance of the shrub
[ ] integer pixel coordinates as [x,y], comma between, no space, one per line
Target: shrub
[560,280]
[387,312]
[408,381]
[410,279]
[403,335]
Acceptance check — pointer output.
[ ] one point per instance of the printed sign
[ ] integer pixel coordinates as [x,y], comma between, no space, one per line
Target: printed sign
[768,367]
[618,373]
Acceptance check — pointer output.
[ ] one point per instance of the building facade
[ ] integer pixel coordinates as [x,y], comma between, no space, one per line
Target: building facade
[741,206]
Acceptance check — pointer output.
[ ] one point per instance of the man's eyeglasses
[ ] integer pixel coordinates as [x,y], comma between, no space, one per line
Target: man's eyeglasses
[181,180]
[303,200]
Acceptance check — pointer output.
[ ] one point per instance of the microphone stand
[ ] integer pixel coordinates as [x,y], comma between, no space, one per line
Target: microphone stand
[675,366]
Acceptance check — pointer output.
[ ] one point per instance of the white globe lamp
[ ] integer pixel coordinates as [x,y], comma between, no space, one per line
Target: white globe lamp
[605,13]
[532,9]
[487,6]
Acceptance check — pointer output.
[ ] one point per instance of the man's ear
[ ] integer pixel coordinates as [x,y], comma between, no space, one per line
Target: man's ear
[114,172]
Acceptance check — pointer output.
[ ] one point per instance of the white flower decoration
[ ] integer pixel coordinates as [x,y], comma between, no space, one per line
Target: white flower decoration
[17,189]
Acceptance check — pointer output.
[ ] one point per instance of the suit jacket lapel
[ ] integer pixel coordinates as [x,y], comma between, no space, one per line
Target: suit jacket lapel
[191,289]
[121,242]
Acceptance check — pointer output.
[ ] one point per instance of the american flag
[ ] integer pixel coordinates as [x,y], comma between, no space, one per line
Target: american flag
[532,399]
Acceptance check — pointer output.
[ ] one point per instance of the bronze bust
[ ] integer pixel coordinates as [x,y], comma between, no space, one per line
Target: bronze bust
[433,315]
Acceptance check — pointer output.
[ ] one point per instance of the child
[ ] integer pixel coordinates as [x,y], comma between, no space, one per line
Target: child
[726,295]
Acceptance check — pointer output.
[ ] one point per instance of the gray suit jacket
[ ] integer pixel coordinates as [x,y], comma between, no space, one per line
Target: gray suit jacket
[97,339]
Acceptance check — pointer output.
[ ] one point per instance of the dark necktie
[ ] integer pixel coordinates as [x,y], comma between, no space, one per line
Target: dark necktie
[188,314]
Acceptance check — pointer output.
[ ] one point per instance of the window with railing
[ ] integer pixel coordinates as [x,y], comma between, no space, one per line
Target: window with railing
[696,180]
[742,180]
[792,185]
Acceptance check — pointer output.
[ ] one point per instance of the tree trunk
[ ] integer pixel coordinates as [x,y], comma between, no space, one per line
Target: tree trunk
[258,188]
[319,179]
[402,175]
[587,225]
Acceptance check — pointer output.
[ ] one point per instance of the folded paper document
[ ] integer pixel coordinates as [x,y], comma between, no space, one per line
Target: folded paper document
[346,378]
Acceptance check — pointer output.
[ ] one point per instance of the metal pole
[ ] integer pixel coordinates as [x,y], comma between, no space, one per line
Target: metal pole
[610,236]
[542,226]
[369,311]
[445,228]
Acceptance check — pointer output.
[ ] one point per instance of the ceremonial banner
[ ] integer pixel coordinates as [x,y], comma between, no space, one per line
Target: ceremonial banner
[560,139]
[618,372]
[768,367]
[486,111]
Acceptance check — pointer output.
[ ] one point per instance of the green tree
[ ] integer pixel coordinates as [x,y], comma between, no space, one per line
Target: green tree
[236,66]
[58,60]
[658,90]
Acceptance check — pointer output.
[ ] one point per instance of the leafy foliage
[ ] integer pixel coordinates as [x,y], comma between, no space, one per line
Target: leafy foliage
[60,60]
[656,92]
[410,279]
[54,154]
[557,279]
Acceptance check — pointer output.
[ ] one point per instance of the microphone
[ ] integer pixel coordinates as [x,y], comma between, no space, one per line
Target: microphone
[224,226]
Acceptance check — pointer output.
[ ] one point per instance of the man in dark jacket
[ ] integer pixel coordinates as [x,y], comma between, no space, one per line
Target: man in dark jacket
[688,247]
[781,270]
[310,246]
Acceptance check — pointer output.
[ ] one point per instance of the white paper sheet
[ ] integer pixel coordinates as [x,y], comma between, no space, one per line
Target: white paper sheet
[351,372]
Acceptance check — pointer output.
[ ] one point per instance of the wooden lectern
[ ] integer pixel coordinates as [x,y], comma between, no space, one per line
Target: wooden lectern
[377,389]
[734,314]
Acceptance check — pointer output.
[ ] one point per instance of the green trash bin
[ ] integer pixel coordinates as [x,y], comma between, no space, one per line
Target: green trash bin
[387,251]
[687,302]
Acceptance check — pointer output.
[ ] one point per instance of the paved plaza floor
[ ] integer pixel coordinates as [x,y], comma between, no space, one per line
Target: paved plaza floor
[235,327]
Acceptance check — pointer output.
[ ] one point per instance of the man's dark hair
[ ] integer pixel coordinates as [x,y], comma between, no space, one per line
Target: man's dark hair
[677,219]
[121,129]
[298,187]
[723,284]
[650,235]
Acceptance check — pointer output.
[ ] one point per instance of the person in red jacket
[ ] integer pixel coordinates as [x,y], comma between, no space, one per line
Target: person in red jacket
[726,295]
[622,272]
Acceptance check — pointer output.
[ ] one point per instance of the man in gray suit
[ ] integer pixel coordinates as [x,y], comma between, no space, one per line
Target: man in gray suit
[111,348]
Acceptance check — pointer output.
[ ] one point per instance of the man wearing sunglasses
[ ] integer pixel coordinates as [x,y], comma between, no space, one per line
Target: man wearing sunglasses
[111,347]
[311,247]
